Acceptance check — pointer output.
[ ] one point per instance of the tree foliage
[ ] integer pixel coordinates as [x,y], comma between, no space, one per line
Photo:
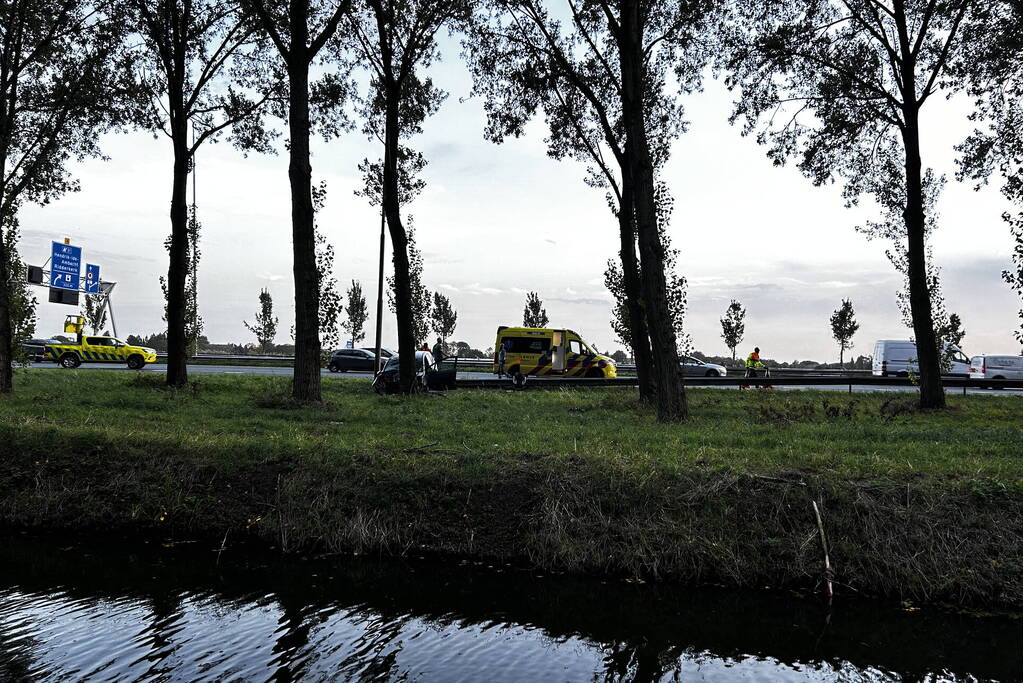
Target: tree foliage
[443,317]
[264,326]
[994,67]
[193,322]
[676,292]
[61,85]
[733,326]
[843,327]
[1014,277]
[422,301]
[534,314]
[21,303]
[95,312]
[356,313]
[331,303]
[839,85]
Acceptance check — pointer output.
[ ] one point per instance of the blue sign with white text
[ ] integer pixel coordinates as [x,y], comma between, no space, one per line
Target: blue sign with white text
[91,278]
[65,266]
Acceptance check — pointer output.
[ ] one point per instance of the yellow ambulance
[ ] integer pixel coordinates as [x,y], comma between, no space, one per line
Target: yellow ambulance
[543,351]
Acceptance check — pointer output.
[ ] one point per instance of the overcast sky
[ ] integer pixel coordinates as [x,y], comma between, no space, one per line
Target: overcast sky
[497,221]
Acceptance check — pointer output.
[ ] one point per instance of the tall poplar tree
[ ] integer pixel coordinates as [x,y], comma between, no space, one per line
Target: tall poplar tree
[600,71]
[60,87]
[184,60]
[534,314]
[843,327]
[397,43]
[300,30]
[264,325]
[840,85]
[733,326]
[356,313]
[994,67]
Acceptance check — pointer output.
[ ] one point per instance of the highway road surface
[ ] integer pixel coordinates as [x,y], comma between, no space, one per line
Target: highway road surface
[286,372]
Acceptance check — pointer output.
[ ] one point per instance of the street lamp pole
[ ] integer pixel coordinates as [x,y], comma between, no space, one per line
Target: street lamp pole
[380,289]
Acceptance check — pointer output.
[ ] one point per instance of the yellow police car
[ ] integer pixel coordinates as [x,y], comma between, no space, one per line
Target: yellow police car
[100,350]
[542,351]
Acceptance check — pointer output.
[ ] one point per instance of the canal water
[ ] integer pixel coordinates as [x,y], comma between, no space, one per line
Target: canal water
[74,611]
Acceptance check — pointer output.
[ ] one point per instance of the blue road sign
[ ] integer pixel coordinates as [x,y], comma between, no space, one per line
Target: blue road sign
[65,266]
[91,278]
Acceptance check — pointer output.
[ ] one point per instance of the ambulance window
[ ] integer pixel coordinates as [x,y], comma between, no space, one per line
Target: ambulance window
[575,346]
[527,344]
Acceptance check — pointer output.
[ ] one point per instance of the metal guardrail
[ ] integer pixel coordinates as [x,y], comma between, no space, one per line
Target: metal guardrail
[488,364]
[161,356]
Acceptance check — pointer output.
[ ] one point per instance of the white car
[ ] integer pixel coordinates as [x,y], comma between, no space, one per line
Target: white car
[697,367]
[996,367]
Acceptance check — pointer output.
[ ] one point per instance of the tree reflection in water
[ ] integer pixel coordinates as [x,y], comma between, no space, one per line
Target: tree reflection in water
[165,615]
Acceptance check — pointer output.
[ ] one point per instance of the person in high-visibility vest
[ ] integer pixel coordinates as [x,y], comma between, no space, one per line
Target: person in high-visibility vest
[753,361]
[753,364]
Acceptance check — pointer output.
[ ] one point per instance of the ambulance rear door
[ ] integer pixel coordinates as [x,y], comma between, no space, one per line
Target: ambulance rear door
[559,342]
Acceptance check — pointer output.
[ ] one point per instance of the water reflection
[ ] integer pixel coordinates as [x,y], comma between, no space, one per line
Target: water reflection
[70,612]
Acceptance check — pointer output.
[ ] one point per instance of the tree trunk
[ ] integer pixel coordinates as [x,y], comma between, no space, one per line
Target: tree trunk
[177,270]
[841,356]
[8,99]
[399,244]
[307,290]
[932,395]
[632,284]
[672,405]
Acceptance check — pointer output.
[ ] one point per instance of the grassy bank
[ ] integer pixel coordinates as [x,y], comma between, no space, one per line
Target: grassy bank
[916,505]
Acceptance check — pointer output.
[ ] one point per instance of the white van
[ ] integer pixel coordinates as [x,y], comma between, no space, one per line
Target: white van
[996,367]
[898,357]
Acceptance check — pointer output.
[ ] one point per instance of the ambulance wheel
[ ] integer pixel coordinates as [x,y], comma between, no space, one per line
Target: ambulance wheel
[593,373]
[70,361]
[136,362]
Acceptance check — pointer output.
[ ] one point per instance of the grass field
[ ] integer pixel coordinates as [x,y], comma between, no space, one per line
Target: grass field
[921,504]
